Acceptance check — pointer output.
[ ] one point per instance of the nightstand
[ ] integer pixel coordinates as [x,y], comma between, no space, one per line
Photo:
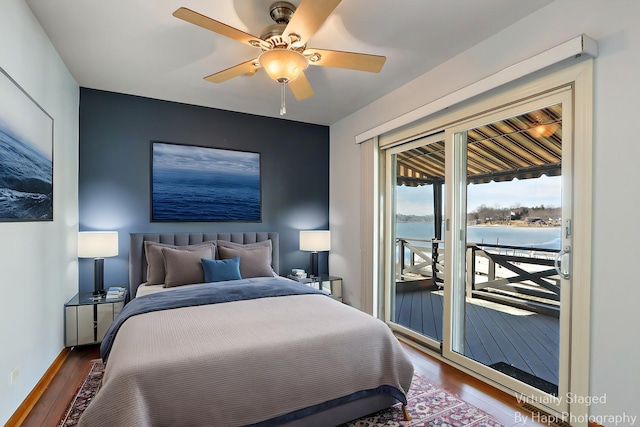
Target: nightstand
[331,284]
[87,318]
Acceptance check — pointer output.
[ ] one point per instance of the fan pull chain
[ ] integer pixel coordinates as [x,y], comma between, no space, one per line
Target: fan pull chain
[283,105]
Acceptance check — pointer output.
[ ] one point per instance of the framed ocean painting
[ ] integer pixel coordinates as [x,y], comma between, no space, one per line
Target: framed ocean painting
[192,183]
[26,156]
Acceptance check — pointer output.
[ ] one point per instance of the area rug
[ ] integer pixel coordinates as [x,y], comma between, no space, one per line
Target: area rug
[84,395]
[427,405]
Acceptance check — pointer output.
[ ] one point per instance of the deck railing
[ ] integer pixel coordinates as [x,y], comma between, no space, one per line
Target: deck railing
[517,271]
[419,258]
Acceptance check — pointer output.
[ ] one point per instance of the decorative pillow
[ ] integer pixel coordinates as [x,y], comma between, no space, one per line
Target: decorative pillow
[155,260]
[221,270]
[255,258]
[184,267]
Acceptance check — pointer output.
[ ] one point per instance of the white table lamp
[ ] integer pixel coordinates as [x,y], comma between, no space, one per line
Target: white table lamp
[98,245]
[315,241]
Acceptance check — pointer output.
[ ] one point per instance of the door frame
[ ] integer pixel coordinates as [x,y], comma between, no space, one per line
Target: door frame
[389,234]
[580,77]
[456,249]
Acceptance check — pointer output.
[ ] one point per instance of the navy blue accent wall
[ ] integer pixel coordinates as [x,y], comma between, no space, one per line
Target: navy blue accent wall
[116,131]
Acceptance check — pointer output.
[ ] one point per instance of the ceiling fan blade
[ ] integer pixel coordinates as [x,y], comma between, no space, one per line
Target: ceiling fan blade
[216,26]
[350,60]
[309,16]
[235,71]
[301,88]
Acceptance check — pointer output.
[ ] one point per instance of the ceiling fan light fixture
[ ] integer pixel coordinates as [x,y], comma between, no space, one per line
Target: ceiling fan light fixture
[283,65]
[284,45]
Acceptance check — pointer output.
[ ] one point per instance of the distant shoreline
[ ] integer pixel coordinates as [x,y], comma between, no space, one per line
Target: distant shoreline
[520,223]
[514,223]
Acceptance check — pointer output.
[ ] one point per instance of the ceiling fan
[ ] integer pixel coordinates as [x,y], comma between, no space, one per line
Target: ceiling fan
[284,54]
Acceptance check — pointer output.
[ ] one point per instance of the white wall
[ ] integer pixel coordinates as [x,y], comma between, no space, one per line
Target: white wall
[38,264]
[616,291]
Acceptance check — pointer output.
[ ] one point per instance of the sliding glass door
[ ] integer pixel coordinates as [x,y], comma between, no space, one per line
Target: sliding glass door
[479,267]
[486,233]
[416,193]
[510,238]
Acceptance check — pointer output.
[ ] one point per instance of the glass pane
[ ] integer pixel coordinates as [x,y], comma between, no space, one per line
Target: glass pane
[513,219]
[419,262]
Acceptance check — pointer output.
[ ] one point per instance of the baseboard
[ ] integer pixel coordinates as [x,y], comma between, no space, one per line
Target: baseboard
[32,398]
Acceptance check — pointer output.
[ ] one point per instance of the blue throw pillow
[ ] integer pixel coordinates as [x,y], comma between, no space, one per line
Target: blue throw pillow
[221,270]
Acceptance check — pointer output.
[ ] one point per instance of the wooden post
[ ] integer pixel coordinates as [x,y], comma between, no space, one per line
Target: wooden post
[471,270]
[401,243]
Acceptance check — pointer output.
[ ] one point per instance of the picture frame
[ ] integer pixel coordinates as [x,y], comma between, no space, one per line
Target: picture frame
[206,184]
[26,155]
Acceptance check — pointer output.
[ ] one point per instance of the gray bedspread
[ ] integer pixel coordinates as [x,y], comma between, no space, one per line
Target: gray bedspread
[244,362]
[202,294]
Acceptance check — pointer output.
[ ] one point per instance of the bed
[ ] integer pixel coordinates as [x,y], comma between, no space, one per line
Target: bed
[254,349]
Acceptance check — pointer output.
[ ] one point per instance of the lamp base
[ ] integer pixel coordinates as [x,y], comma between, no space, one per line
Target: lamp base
[98,277]
[314,264]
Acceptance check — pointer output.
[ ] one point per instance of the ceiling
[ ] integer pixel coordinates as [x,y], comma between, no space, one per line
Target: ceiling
[137,47]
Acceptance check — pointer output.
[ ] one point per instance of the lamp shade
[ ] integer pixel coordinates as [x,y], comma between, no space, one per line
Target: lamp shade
[315,240]
[97,244]
[283,65]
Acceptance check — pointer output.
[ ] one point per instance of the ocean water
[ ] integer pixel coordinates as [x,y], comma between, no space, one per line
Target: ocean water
[26,181]
[534,237]
[192,195]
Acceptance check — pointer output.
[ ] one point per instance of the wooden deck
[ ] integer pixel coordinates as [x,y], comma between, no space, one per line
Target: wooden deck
[527,341]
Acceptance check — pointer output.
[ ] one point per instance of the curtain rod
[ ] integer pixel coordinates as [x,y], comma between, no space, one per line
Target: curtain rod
[577,46]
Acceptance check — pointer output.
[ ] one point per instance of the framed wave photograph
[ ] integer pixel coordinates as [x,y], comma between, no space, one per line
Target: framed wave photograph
[193,183]
[26,156]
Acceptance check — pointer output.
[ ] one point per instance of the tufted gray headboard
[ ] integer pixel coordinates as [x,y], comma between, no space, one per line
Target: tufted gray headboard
[138,261]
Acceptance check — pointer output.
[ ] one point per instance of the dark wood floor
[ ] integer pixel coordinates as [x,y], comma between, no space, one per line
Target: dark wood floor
[52,404]
[528,342]
[499,404]
[51,407]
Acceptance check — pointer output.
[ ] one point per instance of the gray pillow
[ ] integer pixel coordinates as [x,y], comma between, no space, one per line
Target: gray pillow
[184,267]
[155,260]
[255,258]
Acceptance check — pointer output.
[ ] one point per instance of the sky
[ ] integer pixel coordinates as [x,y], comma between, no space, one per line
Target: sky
[529,192]
[174,156]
